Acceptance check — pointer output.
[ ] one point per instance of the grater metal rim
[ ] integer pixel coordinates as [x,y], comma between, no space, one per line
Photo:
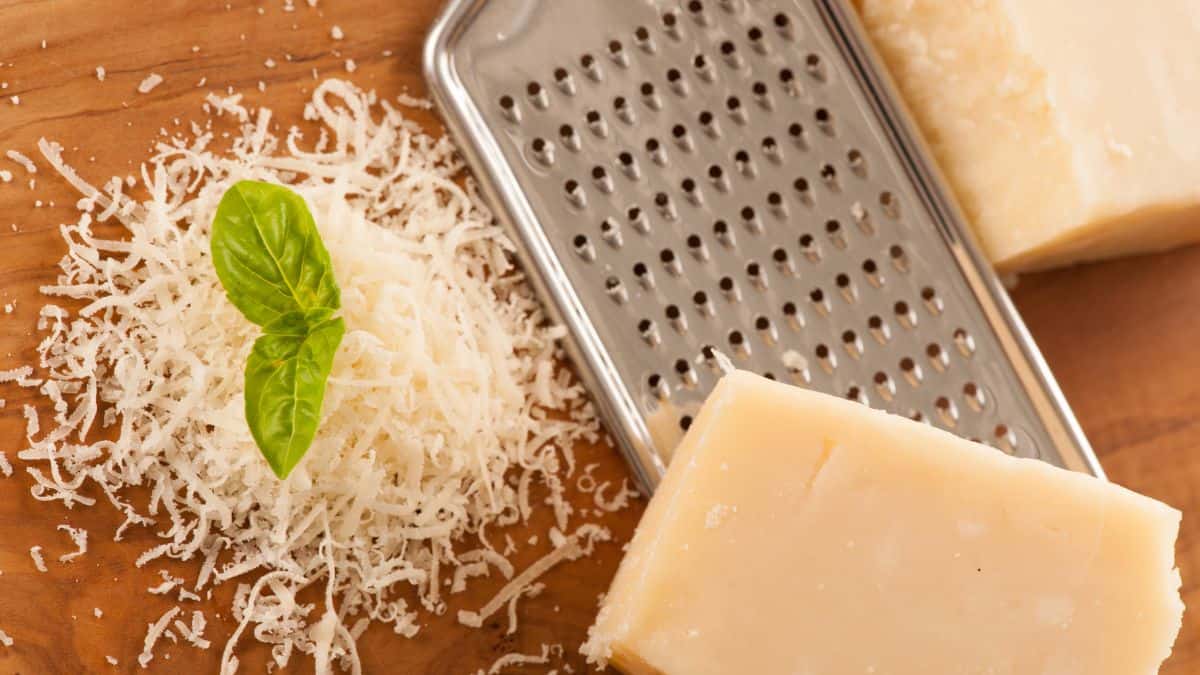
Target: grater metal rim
[468,127]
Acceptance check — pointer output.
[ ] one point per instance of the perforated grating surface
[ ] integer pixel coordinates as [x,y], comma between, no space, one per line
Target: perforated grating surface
[698,176]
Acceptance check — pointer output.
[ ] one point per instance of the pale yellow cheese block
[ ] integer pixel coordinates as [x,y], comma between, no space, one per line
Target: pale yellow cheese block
[1068,128]
[803,534]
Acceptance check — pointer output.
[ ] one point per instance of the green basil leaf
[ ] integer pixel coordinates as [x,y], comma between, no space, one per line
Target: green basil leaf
[285,387]
[269,255]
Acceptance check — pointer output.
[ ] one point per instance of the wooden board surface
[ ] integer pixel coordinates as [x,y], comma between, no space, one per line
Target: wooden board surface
[1119,335]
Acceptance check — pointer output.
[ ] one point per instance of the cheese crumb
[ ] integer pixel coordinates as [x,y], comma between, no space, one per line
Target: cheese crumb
[147,85]
[153,632]
[5,639]
[351,66]
[97,612]
[100,73]
[336,33]
[24,161]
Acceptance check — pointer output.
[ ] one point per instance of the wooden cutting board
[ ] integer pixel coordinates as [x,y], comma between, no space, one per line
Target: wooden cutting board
[1118,335]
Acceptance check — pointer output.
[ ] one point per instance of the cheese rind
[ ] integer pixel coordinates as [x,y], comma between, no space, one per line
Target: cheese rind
[1067,133]
[796,532]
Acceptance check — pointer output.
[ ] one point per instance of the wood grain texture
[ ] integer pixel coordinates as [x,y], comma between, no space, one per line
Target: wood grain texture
[1116,334]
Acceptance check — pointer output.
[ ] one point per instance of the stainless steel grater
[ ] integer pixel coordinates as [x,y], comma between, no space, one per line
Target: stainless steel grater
[738,176]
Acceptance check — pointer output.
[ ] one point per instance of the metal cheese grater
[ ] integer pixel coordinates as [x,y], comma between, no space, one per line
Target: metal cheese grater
[683,178]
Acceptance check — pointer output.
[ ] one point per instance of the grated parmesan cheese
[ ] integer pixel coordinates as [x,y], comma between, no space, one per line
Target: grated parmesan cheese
[336,33]
[148,84]
[79,537]
[39,562]
[6,469]
[153,632]
[443,397]
[5,639]
[100,73]
[21,159]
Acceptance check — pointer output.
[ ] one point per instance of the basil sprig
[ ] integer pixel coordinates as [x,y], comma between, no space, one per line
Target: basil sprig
[277,272]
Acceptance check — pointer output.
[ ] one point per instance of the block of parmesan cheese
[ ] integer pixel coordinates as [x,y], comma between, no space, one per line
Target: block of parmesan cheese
[801,534]
[1067,128]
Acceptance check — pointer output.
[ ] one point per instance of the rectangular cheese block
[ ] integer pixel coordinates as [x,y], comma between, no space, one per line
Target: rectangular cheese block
[803,534]
[1067,128]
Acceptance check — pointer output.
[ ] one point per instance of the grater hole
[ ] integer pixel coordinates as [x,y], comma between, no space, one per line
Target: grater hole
[539,145]
[725,284]
[619,103]
[654,381]
[789,309]
[770,376]
[736,338]
[829,175]
[816,295]
[615,47]
[669,19]
[901,307]
[775,199]
[842,280]
[673,75]
[685,422]
[652,145]
[625,159]
[721,229]
[715,172]
[560,74]
[741,157]
[700,298]
[598,172]
[824,119]
[639,269]
[755,34]
[762,323]
[641,33]
[700,62]
[890,204]
[781,20]
[907,364]
[928,293]
[796,130]
[933,351]
[678,131]
[858,164]
[769,145]
[832,226]
[786,76]
[693,241]
[507,102]
[874,323]
[709,352]
[647,89]
[881,378]
[727,48]
[849,337]
[869,266]
[673,312]
[682,366]
[822,351]
[695,6]
[688,185]
[1000,431]
[592,117]
[587,61]
[747,213]
[753,270]
[759,89]
[733,103]
[533,89]
[779,255]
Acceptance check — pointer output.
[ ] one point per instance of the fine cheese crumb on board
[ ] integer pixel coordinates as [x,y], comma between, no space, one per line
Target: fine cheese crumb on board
[444,410]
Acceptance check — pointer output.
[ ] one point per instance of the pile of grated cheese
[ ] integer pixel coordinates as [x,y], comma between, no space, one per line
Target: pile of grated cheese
[444,409]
